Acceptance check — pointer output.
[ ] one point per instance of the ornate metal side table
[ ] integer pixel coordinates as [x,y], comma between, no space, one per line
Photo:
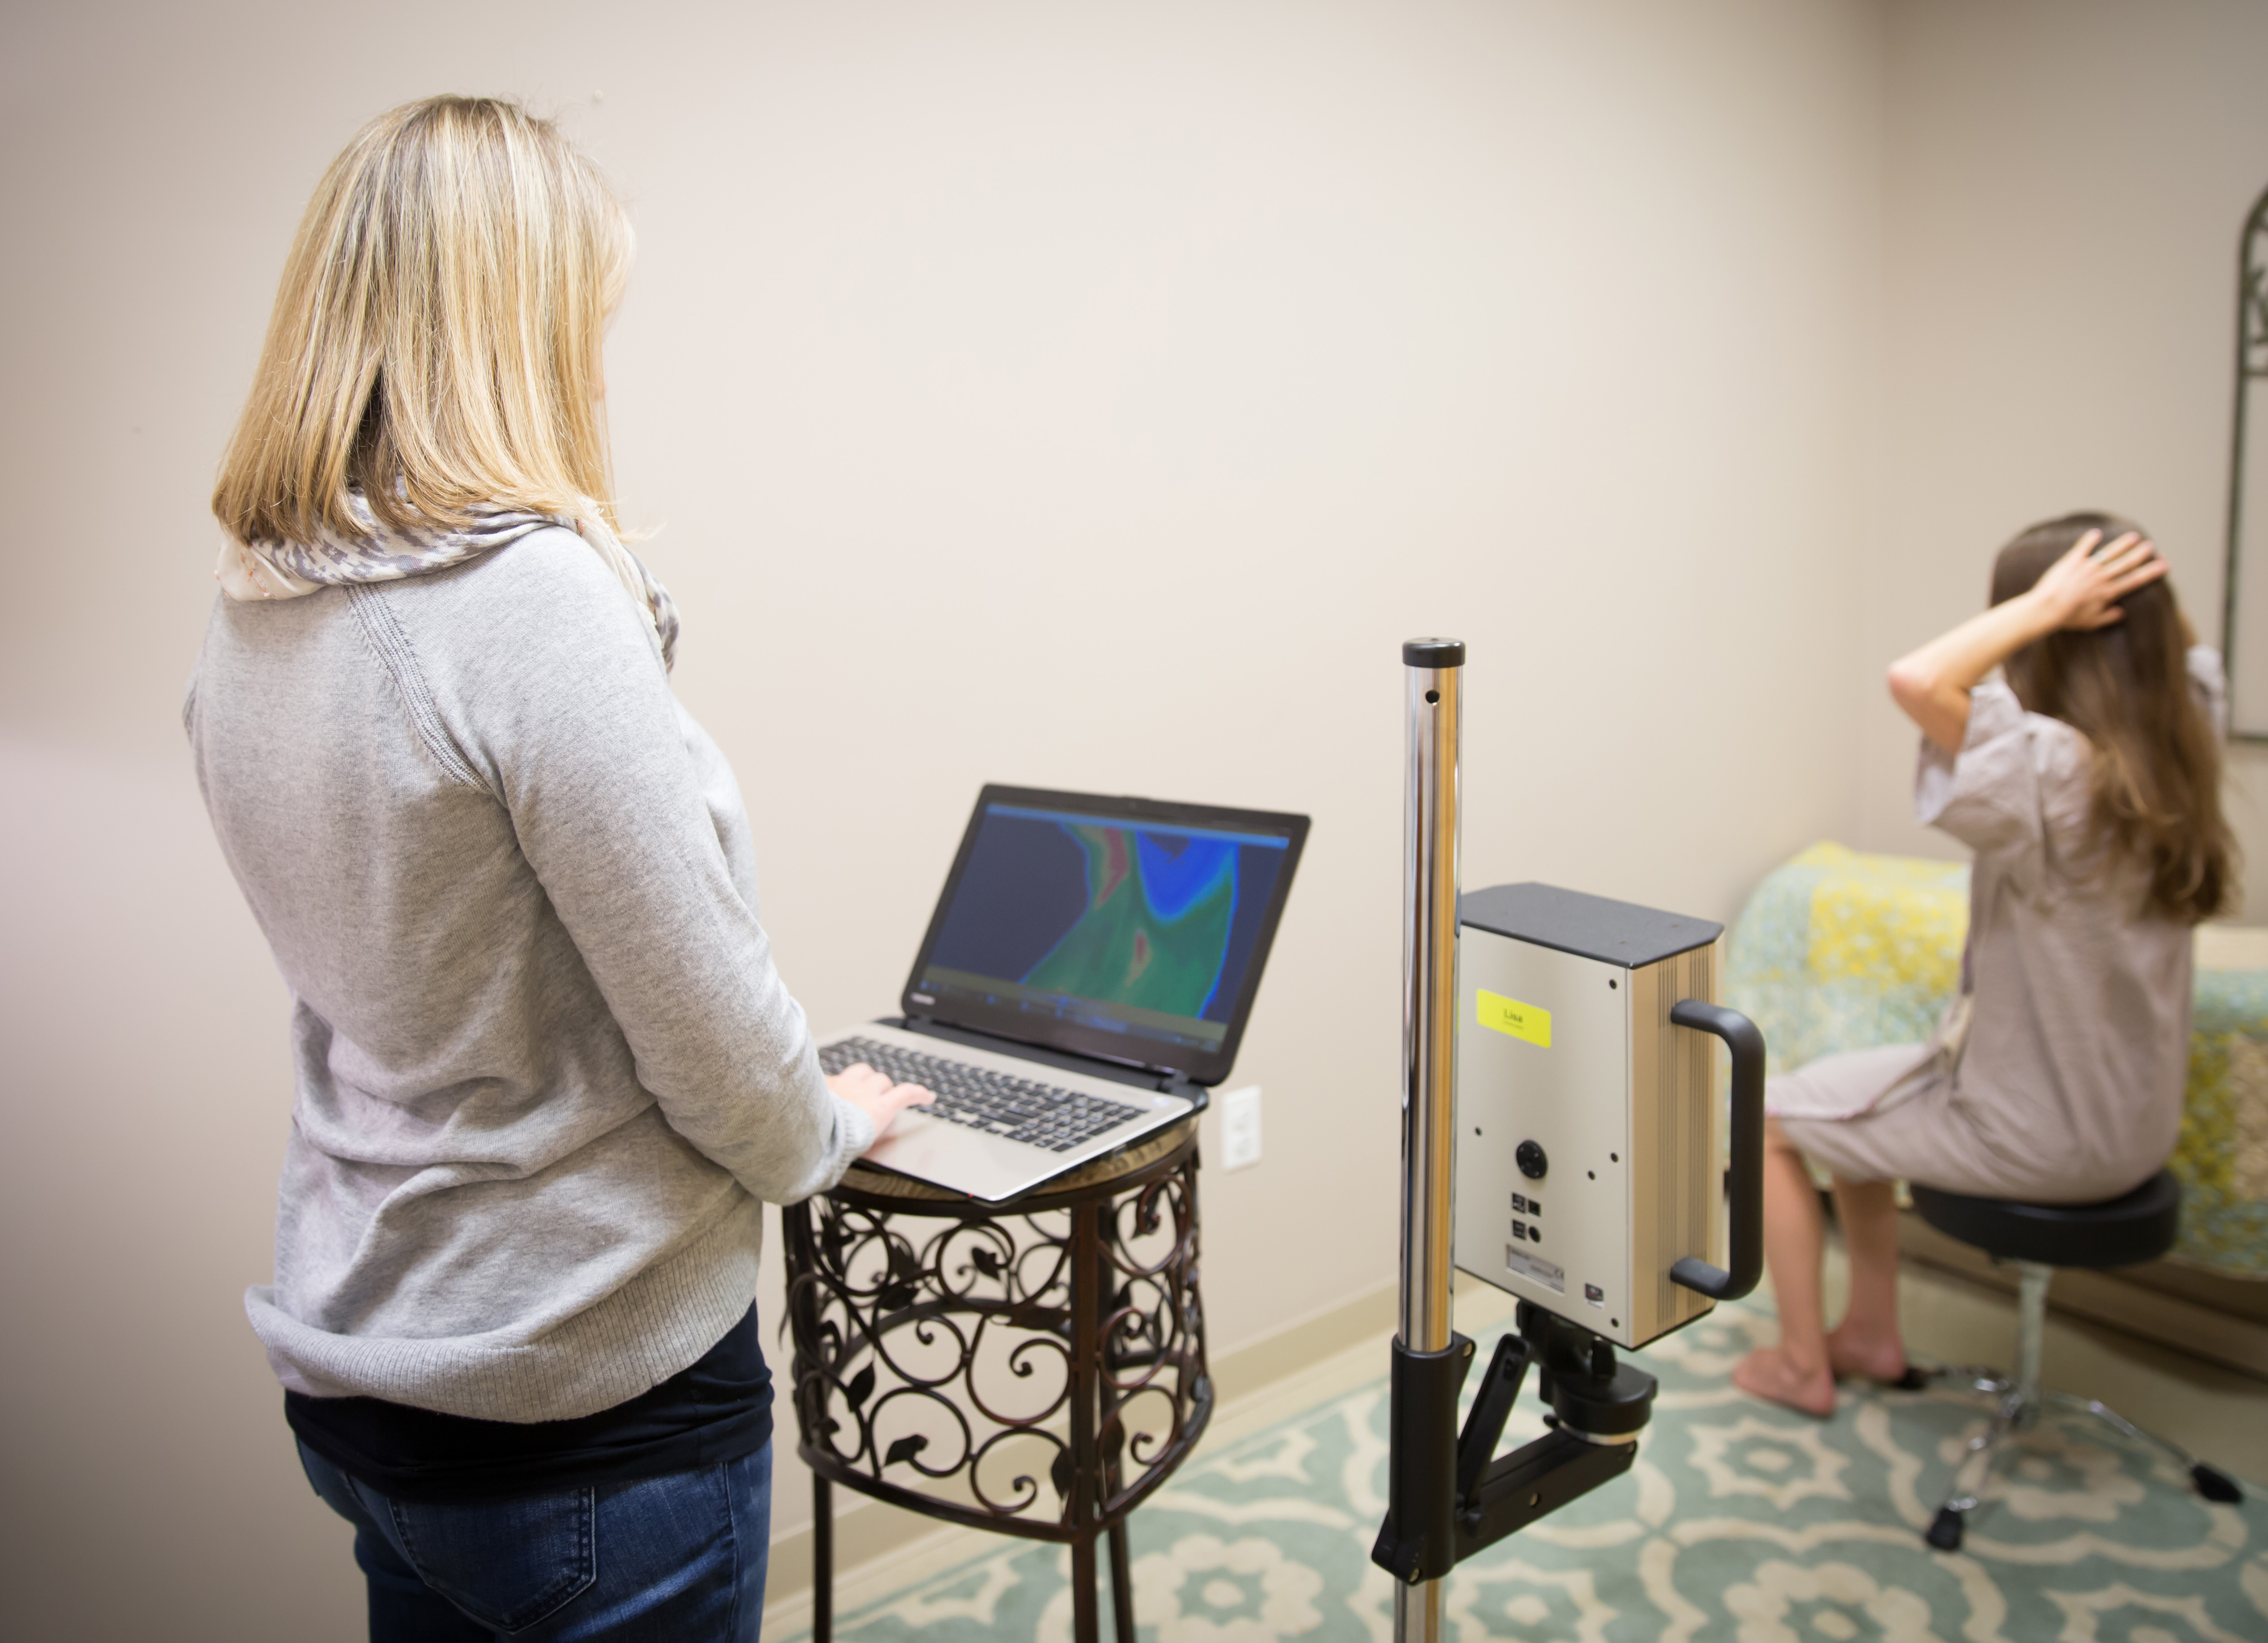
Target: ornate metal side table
[1035,1367]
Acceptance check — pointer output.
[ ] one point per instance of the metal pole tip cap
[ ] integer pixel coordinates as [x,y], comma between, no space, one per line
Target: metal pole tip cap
[1433,653]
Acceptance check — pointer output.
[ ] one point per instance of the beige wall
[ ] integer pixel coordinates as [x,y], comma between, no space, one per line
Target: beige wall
[1086,396]
[2065,184]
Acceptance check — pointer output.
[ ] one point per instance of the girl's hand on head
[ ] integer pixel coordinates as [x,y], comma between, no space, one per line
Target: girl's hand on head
[2081,589]
[874,1095]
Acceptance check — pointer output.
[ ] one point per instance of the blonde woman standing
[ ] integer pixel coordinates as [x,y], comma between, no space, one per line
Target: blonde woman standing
[546,1070]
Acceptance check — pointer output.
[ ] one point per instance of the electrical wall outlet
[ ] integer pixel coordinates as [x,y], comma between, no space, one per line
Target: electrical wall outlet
[1239,1127]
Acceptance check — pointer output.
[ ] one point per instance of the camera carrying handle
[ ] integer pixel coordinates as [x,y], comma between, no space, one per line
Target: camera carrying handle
[1747,1045]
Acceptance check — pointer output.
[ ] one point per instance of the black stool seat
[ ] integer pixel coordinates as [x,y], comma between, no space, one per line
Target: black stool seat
[2120,1232]
[2038,1238]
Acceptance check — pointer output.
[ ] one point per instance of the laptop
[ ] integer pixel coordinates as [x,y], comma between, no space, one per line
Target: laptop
[1087,976]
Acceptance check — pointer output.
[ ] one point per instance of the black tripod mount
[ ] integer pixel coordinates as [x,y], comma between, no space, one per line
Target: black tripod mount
[1449,1494]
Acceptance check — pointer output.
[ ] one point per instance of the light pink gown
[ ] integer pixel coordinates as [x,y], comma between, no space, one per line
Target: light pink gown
[2057,1076]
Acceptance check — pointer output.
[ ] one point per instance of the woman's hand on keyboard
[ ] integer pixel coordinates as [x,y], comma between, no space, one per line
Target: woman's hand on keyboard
[874,1095]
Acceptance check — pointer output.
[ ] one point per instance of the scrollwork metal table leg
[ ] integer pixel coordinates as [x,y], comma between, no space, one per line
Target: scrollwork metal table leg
[867,1298]
[823,1560]
[1122,1585]
[1111,1434]
[1085,1331]
[1085,1624]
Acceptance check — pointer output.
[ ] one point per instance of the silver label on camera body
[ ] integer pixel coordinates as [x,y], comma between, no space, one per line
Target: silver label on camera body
[1552,1278]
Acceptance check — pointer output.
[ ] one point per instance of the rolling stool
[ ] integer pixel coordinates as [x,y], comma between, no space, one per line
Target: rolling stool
[2038,1238]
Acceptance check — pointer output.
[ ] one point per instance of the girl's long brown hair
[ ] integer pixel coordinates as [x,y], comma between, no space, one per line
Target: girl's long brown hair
[2126,688]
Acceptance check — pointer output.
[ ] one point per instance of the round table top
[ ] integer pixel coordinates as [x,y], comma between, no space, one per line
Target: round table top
[1130,1160]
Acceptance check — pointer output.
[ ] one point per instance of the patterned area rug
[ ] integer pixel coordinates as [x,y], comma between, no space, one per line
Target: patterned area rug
[1740,1522]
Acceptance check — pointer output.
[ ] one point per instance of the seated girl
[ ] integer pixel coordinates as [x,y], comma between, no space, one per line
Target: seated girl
[2087,780]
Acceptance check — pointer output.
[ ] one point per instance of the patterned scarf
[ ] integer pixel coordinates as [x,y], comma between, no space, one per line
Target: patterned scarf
[287,570]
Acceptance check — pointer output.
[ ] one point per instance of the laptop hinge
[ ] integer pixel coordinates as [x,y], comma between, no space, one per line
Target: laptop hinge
[1091,1066]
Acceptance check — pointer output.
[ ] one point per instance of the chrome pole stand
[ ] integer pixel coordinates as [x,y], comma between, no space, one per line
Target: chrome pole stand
[1449,1494]
[1431,837]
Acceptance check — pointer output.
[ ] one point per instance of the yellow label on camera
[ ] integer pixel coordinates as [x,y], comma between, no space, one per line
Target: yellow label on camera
[1509,1015]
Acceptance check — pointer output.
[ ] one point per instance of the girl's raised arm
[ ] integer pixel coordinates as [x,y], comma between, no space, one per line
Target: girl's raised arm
[2081,589]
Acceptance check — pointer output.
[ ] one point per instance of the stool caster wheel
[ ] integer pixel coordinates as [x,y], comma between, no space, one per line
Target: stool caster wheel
[1944,1532]
[2215,1486]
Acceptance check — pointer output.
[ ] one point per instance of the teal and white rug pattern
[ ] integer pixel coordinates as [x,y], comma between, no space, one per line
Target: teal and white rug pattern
[1740,1522]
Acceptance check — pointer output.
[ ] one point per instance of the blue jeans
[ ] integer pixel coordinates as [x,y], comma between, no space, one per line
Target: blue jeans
[680,1557]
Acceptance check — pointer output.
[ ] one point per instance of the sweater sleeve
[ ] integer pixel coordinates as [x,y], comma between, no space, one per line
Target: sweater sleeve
[626,813]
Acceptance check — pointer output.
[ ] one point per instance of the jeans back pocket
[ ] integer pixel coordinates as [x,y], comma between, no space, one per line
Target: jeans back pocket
[507,1564]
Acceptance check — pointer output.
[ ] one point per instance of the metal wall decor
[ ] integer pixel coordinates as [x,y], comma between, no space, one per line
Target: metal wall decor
[1036,1368]
[2244,606]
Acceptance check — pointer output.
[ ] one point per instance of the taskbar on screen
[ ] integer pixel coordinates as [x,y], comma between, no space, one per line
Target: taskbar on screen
[966,987]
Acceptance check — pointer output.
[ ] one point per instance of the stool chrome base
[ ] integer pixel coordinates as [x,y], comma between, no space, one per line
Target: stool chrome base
[2022,1400]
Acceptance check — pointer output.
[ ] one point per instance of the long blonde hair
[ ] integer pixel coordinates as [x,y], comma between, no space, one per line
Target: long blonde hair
[435,344]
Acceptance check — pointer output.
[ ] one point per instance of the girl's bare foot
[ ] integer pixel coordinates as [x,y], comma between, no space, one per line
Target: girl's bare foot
[1867,1357]
[1768,1373]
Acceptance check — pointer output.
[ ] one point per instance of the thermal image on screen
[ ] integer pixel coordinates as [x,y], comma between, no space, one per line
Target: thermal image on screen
[1155,932]
[1119,925]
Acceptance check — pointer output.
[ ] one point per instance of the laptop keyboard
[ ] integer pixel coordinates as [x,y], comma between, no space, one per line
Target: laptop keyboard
[1047,1116]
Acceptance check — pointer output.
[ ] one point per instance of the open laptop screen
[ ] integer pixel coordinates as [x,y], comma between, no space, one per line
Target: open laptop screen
[1123,927]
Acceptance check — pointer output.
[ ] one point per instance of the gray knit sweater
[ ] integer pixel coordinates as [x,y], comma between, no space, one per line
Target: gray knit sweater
[546,1069]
